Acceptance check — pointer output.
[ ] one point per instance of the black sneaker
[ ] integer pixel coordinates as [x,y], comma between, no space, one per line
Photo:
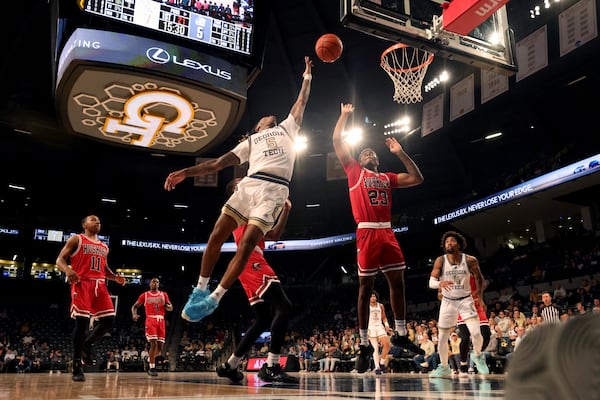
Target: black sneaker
[86,354]
[225,371]
[275,374]
[405,342]
[364,358]
[152,372]
[78,375]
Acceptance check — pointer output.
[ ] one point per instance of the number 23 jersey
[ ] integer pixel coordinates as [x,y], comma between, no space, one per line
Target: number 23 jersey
[370,193]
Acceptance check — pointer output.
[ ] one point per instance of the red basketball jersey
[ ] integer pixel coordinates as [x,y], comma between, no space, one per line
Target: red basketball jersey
[370,193]
[239,232]
[89,260]
[154,302]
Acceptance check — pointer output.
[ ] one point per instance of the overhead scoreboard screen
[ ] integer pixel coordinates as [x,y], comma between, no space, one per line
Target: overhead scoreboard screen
[228,26]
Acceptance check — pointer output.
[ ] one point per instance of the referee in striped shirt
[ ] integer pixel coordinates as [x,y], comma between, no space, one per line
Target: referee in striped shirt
[550,311]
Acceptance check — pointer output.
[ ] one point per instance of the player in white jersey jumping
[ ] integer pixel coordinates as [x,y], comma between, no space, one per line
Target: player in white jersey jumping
[257,202]
[452,274]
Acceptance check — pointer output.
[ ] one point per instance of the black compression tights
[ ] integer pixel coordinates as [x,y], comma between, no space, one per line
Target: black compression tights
[81,335]
[465,342]
[275,304]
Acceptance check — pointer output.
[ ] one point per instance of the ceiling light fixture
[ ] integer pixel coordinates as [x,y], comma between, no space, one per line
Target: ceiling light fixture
[301,143]
[16,187]
[493,135]
[109,200]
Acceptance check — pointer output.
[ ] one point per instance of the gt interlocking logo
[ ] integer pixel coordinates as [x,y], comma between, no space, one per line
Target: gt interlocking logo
[145,127]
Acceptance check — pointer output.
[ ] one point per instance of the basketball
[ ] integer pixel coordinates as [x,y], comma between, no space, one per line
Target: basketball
[329,48]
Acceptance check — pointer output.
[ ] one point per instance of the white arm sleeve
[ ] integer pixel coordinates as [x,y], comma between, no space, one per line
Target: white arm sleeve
[434,283]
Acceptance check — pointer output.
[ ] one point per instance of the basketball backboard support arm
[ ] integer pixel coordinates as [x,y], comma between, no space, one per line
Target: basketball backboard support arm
[397,22]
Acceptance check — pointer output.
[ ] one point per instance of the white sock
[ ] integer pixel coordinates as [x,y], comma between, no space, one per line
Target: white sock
[400,326]
[234,361]
[203,282]
[364,336]
[219,292]
[272,358]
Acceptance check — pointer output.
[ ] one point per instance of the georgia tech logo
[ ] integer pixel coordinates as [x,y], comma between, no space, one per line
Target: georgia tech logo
[161,56]
[146,127]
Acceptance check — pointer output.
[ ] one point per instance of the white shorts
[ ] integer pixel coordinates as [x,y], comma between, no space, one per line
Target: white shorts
[377,332]
[256,202]
[449,310]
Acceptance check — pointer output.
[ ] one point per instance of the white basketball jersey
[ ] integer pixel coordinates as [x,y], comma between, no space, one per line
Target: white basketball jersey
[375,316]
[271,150]
[460,275]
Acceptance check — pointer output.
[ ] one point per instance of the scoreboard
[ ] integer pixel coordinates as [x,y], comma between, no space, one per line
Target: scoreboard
[229,32]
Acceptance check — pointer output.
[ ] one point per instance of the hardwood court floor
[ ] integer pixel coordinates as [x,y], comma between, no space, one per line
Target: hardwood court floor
[208,386]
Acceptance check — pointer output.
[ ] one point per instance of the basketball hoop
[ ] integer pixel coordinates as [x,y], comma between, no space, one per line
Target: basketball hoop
[406,66]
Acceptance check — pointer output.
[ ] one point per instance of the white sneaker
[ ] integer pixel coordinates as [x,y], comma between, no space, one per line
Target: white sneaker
[480,363]
[442,371]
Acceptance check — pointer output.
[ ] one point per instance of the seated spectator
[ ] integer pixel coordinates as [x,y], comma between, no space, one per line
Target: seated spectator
[162,362]
[113,361]
[426,361]
[24,364]
[596,307]
[57,361]
[306,358]
[36,364]
[454,353]
[559,292]
[333,356]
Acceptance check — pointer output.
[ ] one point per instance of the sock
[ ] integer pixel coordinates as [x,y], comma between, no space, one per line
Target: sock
[400,326]
[219,292]
[364,336]
[203,282]
[272,359]
[152,365]
[234,361]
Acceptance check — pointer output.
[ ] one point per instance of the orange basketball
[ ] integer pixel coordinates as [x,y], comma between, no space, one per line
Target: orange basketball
[329,47]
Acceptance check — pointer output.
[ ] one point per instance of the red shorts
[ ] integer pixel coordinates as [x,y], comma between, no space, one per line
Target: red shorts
[483,319]
[155,328]
[257,277]
[377,250]
[90,299]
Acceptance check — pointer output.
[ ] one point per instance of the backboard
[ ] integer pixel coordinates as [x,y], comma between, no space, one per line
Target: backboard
[420,23]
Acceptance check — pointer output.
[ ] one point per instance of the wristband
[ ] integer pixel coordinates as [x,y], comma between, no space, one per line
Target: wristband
[387,325]
[307,77]
[434,283]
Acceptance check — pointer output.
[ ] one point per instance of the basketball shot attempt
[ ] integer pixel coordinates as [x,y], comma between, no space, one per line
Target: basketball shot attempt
[329,48]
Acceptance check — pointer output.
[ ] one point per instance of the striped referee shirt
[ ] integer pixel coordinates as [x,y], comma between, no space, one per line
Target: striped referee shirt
[551,313]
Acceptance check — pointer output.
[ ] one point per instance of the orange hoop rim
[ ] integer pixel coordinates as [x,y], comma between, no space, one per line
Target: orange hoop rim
[400,46]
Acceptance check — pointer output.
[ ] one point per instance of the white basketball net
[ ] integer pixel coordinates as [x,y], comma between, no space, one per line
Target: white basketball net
[406,66]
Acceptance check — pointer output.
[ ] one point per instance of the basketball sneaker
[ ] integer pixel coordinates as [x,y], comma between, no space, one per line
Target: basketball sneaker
[275,374]
[225,371]
[364,358]
[480,363]
[152,372]
[442,371]
[78,375]
[194,310]
[406,343]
